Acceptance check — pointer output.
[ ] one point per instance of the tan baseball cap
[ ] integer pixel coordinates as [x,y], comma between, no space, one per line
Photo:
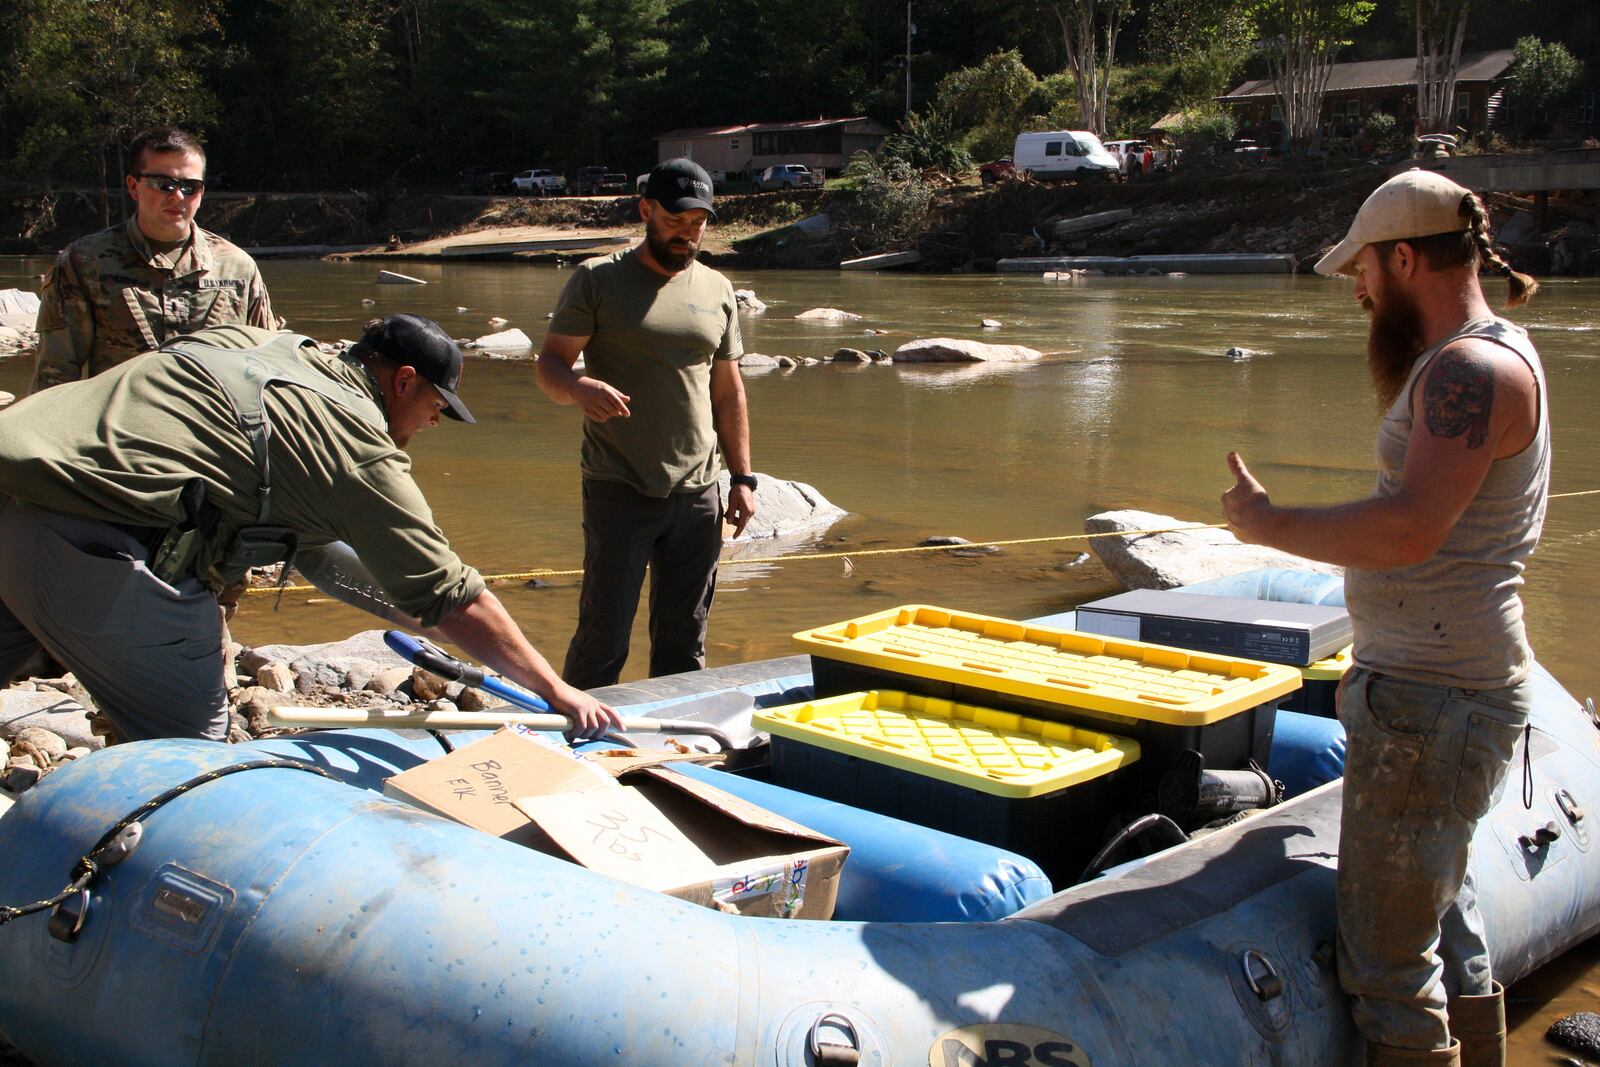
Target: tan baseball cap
[1418,203]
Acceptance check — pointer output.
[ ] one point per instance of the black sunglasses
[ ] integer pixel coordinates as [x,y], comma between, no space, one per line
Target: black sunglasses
[166,183]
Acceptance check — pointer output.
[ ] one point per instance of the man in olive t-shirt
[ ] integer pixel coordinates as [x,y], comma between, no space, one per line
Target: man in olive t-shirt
[663,408]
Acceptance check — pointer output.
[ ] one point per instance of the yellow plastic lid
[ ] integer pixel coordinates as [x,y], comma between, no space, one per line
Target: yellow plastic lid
[995,752]
[1330,668]
[1113,675]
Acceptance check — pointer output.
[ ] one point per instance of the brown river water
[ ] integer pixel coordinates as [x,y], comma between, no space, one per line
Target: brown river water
[1134,406]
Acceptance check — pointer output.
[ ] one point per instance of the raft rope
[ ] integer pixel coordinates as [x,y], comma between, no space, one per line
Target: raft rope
[109,851]
[807,557]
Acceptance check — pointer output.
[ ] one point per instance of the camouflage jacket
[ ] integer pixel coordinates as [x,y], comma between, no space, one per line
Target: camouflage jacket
[110,297]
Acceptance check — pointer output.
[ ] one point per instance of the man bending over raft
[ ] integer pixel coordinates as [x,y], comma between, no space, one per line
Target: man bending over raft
[128,499]
[1440,692]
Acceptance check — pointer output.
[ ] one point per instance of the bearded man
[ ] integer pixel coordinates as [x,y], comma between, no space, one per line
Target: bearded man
[663,410]
[1439,694]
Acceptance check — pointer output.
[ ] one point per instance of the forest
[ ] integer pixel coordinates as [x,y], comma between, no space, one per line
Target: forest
[330,94]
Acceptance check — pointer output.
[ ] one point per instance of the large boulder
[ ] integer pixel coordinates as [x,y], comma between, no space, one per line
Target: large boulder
[785,511]
[827,315]
[337,663]
[506,341]
[755,361]
[1168,560]
[749,301]
[19,314]
[19,310]
[954,350]
[47,709]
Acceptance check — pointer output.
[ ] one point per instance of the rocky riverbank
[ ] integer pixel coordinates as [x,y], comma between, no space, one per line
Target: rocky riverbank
[969,228]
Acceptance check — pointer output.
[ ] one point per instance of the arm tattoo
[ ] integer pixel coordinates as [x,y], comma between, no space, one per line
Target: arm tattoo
[1458,398]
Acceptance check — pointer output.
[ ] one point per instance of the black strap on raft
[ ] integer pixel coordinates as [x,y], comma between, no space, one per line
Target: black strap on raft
[1527,767]
[113,847]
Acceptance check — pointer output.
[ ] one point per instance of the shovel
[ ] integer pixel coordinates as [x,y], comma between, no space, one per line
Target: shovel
[724,718]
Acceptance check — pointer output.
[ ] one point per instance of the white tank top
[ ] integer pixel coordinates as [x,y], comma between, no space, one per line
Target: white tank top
[1456,619]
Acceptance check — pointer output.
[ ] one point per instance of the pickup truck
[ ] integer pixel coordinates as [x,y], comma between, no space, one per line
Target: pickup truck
[540,183]
[789,176]
[586,180]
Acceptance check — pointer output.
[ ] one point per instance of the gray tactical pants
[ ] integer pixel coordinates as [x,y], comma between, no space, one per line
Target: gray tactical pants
[149,653]
[1423,766]
[680,539]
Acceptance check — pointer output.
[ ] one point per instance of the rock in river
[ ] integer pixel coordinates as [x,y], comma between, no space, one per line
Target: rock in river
[785,509]
[1164,561]
[505,340]
[952,350]
[827,315]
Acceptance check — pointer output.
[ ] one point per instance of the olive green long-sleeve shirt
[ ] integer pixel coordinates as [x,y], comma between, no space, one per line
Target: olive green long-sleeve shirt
[119,447]
[111,296]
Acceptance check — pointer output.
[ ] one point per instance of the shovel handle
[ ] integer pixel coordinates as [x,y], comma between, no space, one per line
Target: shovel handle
[333,718]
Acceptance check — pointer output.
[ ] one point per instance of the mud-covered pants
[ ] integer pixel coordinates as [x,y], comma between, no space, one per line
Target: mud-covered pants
[1424,763]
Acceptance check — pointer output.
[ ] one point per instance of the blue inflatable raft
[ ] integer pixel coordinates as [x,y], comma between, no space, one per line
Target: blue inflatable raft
[276,916]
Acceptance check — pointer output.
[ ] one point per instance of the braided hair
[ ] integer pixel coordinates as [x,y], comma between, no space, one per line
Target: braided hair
[1521,286]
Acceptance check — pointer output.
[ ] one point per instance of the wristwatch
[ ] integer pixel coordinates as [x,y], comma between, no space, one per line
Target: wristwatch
[746,480]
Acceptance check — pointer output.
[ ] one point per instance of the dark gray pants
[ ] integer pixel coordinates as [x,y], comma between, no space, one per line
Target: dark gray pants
[623,530]
[149,653]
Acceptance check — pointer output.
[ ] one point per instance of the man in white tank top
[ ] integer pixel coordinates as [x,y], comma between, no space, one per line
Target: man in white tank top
[1439,694]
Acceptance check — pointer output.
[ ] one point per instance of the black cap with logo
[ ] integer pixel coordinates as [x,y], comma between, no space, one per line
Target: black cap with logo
[419,343]
[680,185]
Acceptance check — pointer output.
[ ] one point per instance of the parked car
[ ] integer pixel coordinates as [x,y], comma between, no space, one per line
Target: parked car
[586,180]
[540,183]
[1248,149]
[1057,154]
[1128,154]
[718,178]
[995,171]
[612,183]
[788,176]
[477,181]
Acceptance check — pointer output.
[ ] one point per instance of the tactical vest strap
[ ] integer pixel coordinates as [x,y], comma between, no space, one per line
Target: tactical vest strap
[243,376]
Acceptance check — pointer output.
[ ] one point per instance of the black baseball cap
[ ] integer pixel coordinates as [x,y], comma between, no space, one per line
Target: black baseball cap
[421,344]
[680,185]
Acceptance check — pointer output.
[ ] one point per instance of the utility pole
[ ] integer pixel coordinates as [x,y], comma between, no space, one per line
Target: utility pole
[910,28]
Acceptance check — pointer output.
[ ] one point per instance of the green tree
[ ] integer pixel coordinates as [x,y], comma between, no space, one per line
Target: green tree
[1300,39]
[1089,30]
[990,102]
[1540,75]
[87,76]
[930,138]
[890,202]
[1441,27]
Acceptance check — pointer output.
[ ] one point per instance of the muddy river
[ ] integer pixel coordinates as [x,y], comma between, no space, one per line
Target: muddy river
[1135,406]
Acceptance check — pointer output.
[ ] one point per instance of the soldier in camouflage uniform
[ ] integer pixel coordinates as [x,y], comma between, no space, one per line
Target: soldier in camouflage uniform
[132,288]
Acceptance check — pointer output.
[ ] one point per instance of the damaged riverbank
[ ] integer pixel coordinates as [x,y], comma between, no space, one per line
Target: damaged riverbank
[969,228]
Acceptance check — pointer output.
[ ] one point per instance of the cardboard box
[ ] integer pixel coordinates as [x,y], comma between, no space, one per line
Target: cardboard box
[633,818]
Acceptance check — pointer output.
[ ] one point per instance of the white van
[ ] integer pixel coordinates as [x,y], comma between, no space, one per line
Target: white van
[1058,154]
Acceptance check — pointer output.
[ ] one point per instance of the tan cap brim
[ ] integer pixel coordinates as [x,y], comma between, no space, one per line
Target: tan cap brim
[1340,256]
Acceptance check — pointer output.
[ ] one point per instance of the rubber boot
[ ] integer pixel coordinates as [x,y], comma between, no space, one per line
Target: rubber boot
[1479,1023]
[1389,1056]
